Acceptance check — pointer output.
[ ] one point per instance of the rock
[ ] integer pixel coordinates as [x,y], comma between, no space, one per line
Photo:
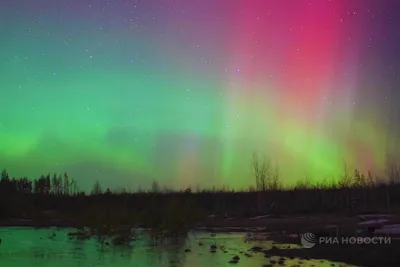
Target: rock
[213,248]
[234,259]
[256,249]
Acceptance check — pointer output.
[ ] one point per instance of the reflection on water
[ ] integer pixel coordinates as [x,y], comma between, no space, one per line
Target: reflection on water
[52,248]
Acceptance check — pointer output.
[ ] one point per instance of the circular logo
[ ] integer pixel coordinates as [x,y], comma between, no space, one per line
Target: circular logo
[308,240]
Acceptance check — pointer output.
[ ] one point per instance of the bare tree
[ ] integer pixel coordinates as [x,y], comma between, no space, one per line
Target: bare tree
[346,179]
[256,170]
[155,188]
[266,176]
[304,183]
[393,172]
[68,185]
[359,179]
[370,180]
[97,189]
[275,183]
[55,185]
[74,187]
[262,172]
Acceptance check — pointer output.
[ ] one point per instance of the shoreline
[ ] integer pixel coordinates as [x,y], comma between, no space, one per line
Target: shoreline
[283,223]
[340,223]
[35,224]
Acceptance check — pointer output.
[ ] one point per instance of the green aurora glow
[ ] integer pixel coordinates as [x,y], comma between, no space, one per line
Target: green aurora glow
[184,93]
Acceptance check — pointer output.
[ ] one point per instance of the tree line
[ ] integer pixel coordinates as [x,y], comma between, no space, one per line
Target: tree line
[266,177]
[57,184]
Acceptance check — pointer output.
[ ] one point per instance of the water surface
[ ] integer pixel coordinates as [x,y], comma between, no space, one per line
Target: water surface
[30,247]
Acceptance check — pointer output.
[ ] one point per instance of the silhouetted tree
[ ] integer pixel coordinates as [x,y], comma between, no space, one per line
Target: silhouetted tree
[55,185]
[4,176]
[40,185]
[260,171]
[393,173]
[74,187]
[304,184]
[4,181]
[47,184]
[66,184]
[275,183]
[359,179]
[370,180]
[6,185]
[267,177]
[345,180]
[24,186]
[36,186]
[60,183]
[97,188]
[12,187]
[155,188]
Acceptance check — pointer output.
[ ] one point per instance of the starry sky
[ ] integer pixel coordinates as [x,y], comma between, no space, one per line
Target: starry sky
[184,91]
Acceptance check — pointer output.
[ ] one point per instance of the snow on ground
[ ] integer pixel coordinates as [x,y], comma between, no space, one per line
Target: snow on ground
[372,222]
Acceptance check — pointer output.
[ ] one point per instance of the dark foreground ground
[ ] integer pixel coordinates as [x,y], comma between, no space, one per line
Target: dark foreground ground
[359,255]
[285,232]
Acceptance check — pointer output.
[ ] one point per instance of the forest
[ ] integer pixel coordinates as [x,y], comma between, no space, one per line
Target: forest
[56,199]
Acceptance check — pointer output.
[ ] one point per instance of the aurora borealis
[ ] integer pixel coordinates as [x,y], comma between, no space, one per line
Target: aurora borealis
[184,91]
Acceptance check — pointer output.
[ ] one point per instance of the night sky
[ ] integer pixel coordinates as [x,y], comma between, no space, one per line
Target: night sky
[184,91]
